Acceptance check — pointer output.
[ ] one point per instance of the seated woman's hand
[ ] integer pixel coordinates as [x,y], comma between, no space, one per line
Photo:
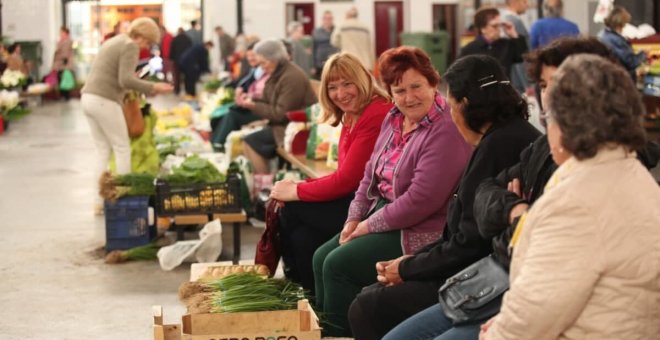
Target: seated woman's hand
[245,101]
[388,271]
[285,190]
[360,230]
[349,227]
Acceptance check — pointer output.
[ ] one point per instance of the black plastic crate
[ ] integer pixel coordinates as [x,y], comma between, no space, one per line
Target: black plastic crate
[207,198]
[127,223]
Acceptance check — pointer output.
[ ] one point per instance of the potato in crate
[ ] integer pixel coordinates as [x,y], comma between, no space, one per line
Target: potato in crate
[200,198]
[127,223]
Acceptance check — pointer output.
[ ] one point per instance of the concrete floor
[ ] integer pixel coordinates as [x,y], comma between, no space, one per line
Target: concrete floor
[54,285]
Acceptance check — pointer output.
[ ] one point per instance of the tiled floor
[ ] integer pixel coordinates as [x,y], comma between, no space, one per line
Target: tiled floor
[53,286]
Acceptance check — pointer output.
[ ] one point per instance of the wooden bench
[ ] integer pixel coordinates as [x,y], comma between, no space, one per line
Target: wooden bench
[235,218]
[311,168]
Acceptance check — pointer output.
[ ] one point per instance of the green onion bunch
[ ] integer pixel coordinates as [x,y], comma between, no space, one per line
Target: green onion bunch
[251,292]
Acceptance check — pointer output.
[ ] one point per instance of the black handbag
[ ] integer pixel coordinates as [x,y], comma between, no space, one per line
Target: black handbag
[475,293]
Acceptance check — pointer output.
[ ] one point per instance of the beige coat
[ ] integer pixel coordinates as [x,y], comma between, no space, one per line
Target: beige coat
[587,265]
[63,57]
[113,70]
[354,37]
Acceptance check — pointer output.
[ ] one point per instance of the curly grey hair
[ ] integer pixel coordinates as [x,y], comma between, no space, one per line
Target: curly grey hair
[595,104]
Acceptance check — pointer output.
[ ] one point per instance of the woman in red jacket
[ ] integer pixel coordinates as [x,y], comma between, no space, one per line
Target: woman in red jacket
[315,208]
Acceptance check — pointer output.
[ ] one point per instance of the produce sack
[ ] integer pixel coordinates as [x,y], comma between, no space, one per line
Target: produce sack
[206,249]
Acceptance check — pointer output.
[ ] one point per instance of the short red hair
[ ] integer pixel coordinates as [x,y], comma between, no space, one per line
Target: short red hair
[393,63]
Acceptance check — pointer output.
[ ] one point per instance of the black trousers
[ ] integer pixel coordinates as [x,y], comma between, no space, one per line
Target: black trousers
[378,309]
[304,227]
[190,80]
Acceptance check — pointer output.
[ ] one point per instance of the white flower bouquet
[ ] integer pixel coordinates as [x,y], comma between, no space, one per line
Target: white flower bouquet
[11,79]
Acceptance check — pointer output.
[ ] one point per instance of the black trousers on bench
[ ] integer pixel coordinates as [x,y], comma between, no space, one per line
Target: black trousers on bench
[304,227]
[378,309]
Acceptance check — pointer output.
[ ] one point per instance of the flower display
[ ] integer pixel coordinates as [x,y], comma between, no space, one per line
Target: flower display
[11,79]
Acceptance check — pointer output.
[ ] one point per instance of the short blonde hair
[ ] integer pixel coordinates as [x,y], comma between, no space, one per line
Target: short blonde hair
[348,67]
[146,28]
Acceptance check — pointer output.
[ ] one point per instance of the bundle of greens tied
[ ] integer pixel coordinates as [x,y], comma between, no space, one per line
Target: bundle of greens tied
[240,292]
[113,187]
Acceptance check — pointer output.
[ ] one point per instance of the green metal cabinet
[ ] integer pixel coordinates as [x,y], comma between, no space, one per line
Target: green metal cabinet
[435,44]
[32,51]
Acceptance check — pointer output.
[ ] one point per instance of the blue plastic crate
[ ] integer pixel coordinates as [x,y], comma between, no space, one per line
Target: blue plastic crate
[127,223]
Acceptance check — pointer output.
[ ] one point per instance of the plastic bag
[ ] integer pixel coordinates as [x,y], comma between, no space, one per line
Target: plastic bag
[68,81]
[206,249]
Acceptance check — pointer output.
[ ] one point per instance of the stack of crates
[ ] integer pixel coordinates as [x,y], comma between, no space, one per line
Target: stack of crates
[127,223]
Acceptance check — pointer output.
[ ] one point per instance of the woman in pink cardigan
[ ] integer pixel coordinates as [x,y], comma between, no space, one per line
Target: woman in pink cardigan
[401,203]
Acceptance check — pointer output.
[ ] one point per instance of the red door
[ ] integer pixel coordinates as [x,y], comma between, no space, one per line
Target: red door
[301,12]
[389,24]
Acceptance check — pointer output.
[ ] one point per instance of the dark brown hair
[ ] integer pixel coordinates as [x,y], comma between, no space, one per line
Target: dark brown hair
[557,51]
[393,63]
[490,97]
[595,103]
[483,16]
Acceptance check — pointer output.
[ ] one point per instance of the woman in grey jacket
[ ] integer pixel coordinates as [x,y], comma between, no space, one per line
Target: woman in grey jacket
[112,73]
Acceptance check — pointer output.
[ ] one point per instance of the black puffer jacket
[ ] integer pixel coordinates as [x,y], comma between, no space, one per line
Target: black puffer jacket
[493,201]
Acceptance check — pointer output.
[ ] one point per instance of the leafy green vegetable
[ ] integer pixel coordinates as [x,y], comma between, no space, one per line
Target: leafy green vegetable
[212,85]
[194,169]
[15,113]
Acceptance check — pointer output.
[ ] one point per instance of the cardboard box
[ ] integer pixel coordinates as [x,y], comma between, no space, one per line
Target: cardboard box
[297,324]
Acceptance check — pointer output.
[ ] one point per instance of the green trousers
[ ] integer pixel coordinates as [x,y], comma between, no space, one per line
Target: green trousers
[340,272]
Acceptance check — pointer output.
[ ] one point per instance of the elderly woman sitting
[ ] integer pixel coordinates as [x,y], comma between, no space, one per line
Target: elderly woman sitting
[585,260]
[287,88]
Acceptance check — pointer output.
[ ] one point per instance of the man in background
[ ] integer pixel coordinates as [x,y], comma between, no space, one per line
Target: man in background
[553,26]
[227,46]
[322,49]
[180,44]
[354,37]
[300,55]
[195,32]
[193,63]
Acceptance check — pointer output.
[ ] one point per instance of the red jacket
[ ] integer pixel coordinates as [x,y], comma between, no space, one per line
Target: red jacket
[354,151]
[165,44]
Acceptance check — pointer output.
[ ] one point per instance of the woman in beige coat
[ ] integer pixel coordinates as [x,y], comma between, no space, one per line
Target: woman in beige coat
[586,260]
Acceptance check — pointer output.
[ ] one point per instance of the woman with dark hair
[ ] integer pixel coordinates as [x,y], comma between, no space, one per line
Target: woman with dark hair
[489,41]
[491,116]
[585,256]
[611,36]
[401,202]
[316,209]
